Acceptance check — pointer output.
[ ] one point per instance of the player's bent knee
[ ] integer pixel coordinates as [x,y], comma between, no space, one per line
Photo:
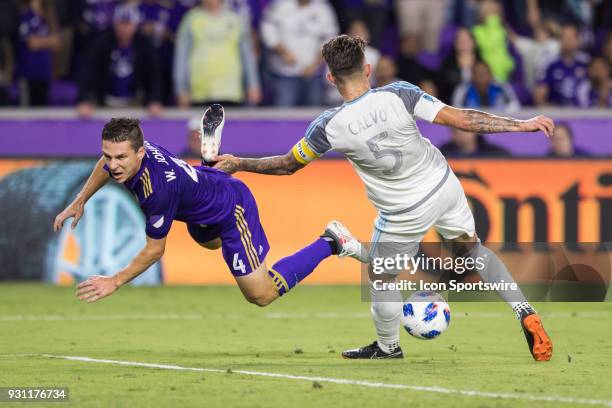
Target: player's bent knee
[262,300]
[386,310]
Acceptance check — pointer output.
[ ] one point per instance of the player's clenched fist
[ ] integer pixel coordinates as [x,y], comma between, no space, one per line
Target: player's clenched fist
[227,163]
[96,287]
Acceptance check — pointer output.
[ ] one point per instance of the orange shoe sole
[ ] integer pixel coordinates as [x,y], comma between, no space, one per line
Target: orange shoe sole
[542,345]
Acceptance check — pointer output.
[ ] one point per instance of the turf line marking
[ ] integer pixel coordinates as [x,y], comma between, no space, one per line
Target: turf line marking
[272,316]
[437,390]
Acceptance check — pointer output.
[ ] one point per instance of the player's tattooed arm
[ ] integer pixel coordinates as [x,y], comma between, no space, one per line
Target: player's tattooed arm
[481,122]
[96,180]
[275,165]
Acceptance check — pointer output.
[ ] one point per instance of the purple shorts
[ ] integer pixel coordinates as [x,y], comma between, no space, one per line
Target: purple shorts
[243,240]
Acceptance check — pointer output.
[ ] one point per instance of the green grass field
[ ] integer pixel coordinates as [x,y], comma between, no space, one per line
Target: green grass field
[300,335]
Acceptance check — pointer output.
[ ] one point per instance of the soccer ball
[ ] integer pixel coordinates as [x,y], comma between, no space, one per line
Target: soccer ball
[425,315]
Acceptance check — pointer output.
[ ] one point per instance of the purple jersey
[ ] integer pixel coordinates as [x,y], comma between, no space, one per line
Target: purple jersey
[33,65]
[98,14]
[589,97]
[158,15]
[211,202]
[169,189]
[563,80]
[122,73]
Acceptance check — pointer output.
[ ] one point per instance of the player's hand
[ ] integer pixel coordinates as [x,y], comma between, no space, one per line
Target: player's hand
[254,95]
[310,70]
[155,109]
[539,123]
[96,287]
[288,58]
[183,100]
[75,210]
[227,163]
[85,110]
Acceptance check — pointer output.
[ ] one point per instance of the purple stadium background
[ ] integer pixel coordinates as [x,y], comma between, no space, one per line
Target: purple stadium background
[252,137]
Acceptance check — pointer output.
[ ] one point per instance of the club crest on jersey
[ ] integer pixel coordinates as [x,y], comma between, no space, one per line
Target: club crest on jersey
[367,121]
[156,220]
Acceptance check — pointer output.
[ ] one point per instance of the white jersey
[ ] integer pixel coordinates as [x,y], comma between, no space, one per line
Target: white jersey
[378,134]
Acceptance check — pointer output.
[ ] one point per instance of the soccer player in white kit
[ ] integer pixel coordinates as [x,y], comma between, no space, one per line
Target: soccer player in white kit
[407,179]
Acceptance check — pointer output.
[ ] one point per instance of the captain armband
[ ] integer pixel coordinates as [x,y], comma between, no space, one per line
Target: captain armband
[303,153]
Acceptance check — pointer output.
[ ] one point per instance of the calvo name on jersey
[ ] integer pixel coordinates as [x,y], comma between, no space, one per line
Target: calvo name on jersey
[367,121]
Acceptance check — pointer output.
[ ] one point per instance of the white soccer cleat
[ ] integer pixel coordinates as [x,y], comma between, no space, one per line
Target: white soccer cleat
[347,244]
[211,130]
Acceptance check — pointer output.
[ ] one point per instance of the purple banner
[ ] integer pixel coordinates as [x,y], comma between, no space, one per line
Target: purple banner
[251,137]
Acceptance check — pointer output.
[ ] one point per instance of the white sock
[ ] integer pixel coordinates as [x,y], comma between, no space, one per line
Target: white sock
[520,307]
[495,271]
[386,312]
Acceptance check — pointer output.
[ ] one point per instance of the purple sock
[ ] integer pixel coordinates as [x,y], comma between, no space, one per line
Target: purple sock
[290,270]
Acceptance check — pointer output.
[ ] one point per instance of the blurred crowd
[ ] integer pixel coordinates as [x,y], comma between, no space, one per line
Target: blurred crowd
[159,53]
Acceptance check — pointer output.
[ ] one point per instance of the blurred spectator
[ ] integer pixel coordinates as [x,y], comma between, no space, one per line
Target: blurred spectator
[9,12]
[96,16]
[596,91]
[156,25]
[457,66]
[386,71]
[490,37]
[122,68]
[429,87]
[464,13]
[536,53]
[562,143]
[93,18]
[424,19]
[483,91]
[38,36]
[408,68]
[192,150]
[373,13]
[213,52]
[294,31]
[559,83]
[468,144]
[372,55]
[563,11]
[606,50]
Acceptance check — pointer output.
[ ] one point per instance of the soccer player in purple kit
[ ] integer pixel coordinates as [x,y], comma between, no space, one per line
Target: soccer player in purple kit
[219,210]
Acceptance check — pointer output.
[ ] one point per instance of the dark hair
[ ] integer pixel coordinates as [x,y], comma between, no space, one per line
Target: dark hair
[344,55]
[122,129]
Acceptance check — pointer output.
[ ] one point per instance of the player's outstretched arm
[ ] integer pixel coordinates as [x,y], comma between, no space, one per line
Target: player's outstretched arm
[482,122]
[275,165]
[96,180]
[97,287]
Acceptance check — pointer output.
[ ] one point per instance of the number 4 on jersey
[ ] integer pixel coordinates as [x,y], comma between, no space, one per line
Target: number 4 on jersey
[237,264]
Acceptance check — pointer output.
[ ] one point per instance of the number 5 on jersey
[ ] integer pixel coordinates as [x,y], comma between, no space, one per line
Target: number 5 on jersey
[373,145]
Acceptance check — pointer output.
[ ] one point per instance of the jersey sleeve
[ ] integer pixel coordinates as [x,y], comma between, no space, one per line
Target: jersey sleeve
[160,208]
[417,102]
[315,143]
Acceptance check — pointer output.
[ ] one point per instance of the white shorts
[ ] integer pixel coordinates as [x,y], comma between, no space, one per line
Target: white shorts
[446,210]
